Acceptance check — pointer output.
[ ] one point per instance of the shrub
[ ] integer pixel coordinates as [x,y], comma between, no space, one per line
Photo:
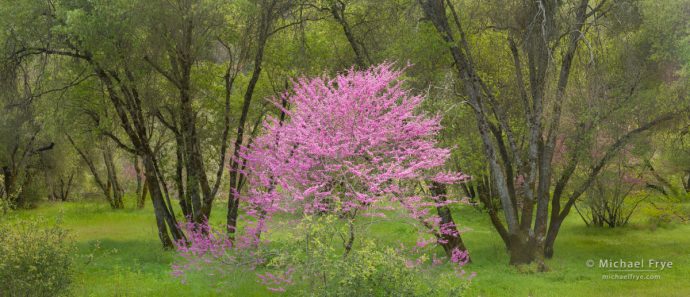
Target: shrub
[613,197]
[309,261]
[371,271]
[35,260]
[315,264]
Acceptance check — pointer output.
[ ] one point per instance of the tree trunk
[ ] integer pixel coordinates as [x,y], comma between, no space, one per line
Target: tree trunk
[450,238]
[184,201]
[116,191]
[235,176]
[197,200]
[193,167]
[337,9]
[524,250]
[22,200]
[141,200]
[137,171]
[65,188]
[551,238]
[142,186]
[164,218]
[351,239]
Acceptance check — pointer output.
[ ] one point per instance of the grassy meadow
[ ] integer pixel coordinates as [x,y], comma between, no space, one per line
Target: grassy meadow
[119,255]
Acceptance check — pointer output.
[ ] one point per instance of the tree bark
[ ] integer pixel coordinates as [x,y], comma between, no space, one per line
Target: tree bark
[450,239]
[116,191]
[164,218]
[142,186]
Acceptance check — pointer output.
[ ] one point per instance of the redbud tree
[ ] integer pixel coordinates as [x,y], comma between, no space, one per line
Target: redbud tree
[351,144]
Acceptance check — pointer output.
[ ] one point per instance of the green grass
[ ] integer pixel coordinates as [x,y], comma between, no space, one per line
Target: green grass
[128,259]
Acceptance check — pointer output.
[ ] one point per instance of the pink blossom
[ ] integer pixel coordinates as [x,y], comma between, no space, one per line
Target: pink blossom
[348,142]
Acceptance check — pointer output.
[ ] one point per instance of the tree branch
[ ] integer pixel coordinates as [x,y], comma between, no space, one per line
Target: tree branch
[622,141]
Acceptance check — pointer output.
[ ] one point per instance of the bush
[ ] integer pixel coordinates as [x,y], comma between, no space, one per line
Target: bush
[370,269]
[35,260]
[310,261]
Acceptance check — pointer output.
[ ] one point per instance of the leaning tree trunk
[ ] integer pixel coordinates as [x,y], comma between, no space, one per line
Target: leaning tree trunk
[116,191]
[450,239]
[164,216]
[337,10]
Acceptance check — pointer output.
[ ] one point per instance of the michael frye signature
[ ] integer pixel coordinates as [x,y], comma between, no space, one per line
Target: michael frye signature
[630,269]
[630,265]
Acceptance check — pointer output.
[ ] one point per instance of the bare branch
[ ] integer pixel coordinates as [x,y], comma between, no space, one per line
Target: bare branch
[610,153]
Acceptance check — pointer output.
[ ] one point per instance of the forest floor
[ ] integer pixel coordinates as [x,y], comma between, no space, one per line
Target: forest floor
[128,259]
